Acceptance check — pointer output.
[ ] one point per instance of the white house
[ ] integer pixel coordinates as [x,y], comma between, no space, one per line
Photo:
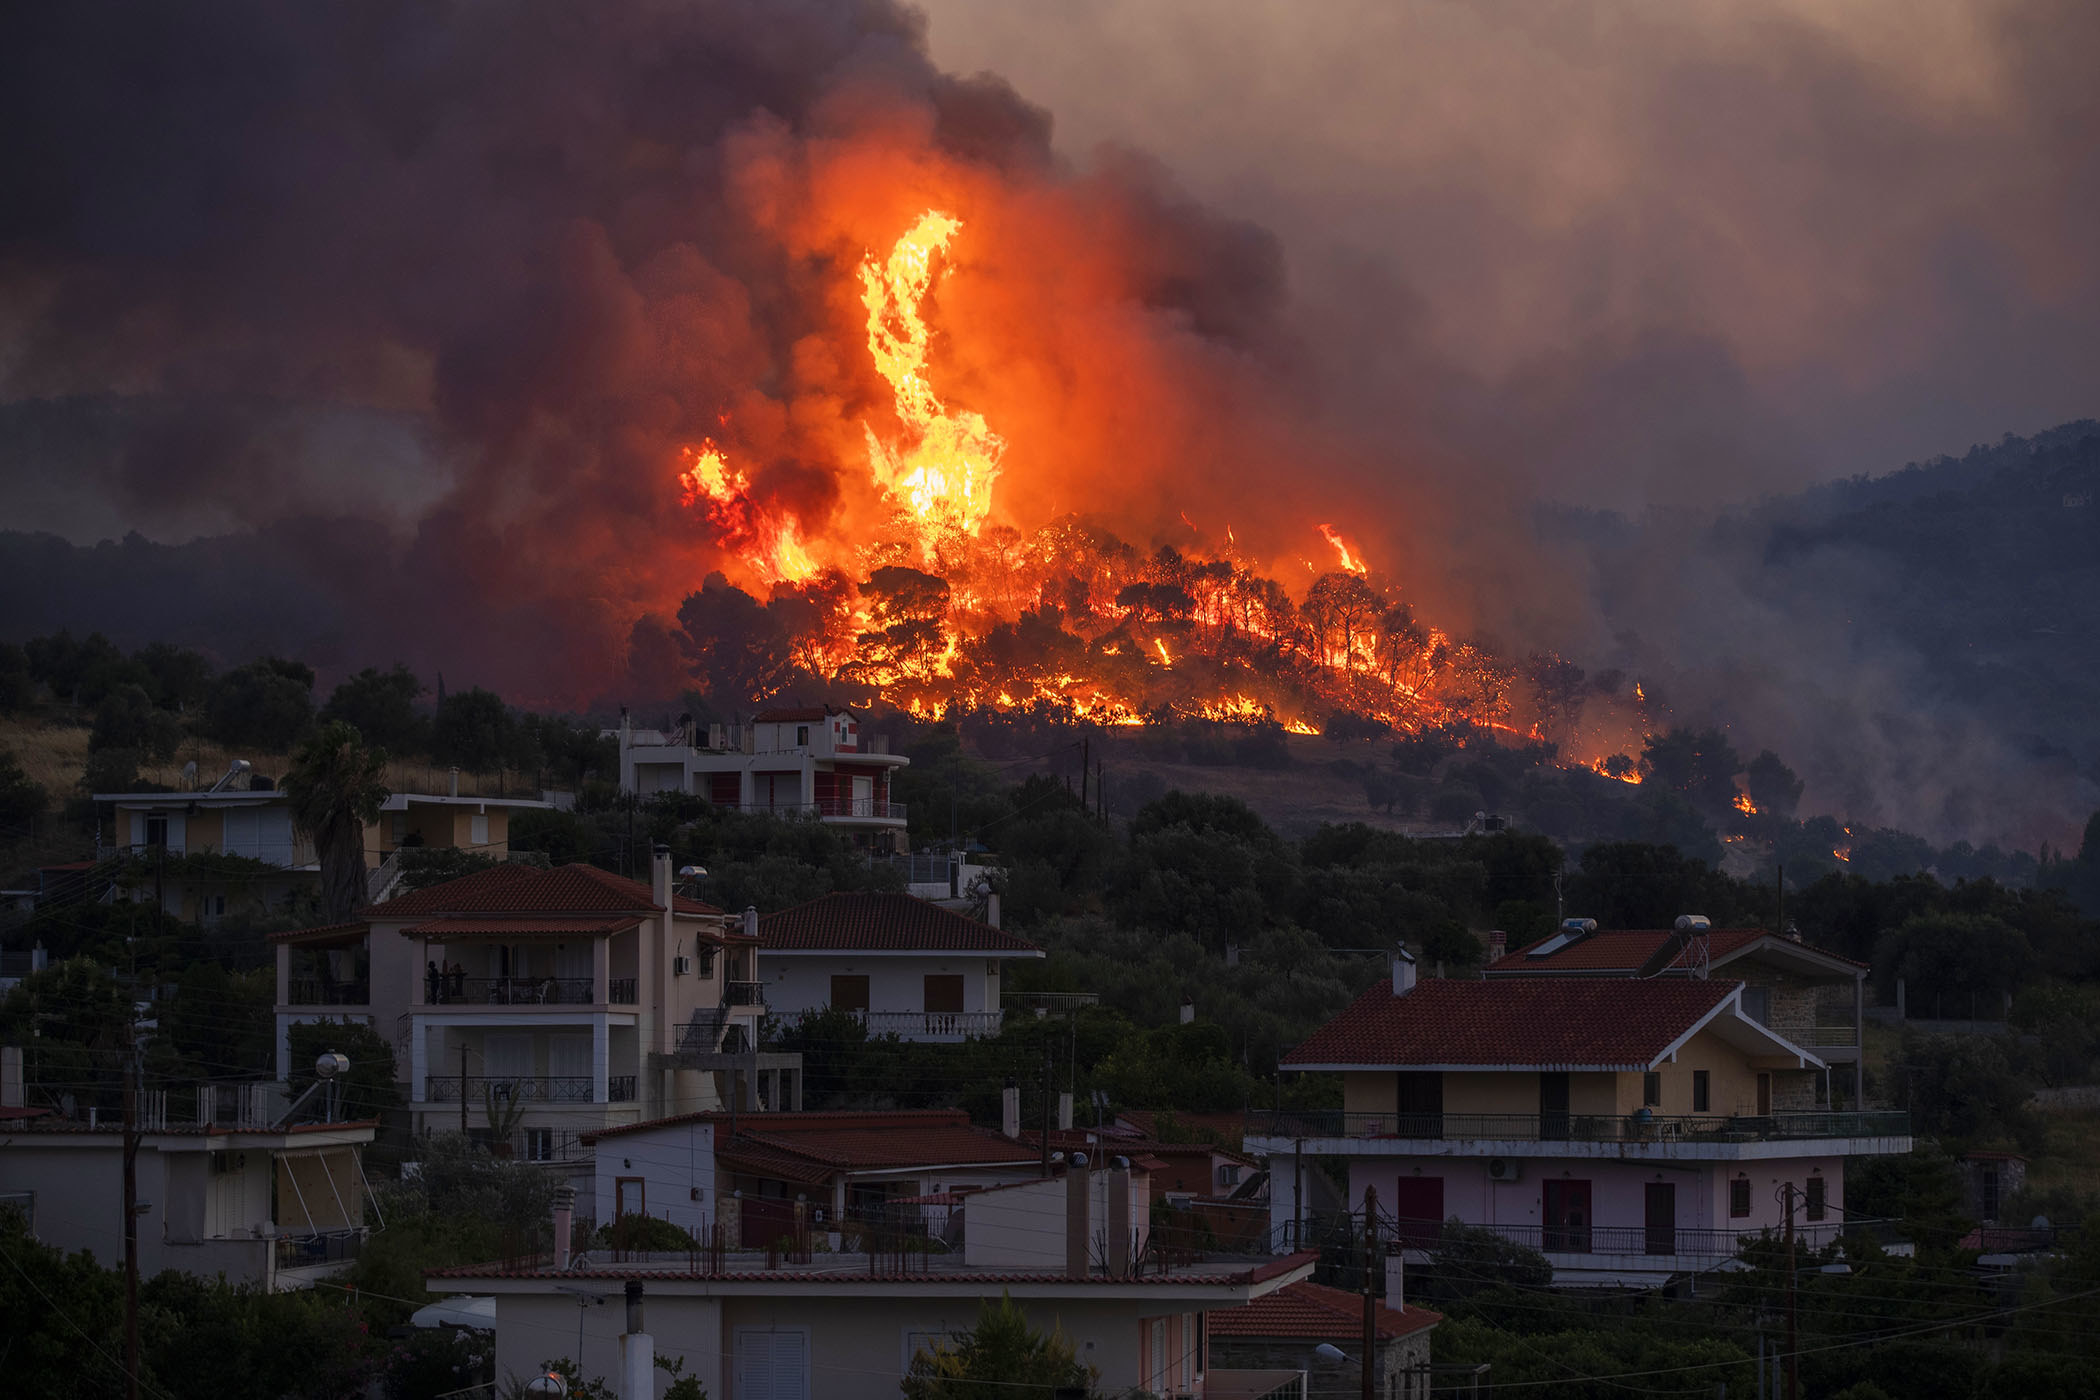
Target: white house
[276,1207]
[845,1326]
[900,964]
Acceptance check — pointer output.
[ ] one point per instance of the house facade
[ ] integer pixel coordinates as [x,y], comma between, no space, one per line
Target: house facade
[264,1205]
[1287,1329]
[172,837]
[749,1172]
[796,1324]
[901,965]
[792,762]
[539,1005]
[1814,998]
[1628,1129]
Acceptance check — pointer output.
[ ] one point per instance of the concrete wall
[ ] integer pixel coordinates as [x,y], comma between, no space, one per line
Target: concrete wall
[803,982]
[858,1340]
[672,1161]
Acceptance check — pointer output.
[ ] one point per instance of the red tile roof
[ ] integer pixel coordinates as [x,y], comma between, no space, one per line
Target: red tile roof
[816,1146]
[1549,1023]
[320,933]
[878,922]
[1313,1312]
[522,889]
[521,927]
[845,1280]
[1623,951]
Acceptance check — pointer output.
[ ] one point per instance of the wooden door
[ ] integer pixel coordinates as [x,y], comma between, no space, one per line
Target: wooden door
[1420,1099]
[1764,1096]
[1553,1107]
[944,991]
[1568,1217]
[1662,1217]
[1418,1208]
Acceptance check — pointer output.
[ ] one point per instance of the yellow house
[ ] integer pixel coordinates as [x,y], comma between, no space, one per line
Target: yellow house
[1626,1128]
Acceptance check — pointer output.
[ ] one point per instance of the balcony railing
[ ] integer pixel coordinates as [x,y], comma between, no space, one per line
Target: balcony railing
[1659,1241]
[528,1088]
[864,808]
[941,1023]
[323,1247]
[744,994]
[621,991]
[312,991]
[511,991]
[622,1088]
[1576,1127]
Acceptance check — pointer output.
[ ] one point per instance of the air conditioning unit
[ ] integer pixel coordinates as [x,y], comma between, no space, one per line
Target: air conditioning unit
[681,966]
[1504,1168]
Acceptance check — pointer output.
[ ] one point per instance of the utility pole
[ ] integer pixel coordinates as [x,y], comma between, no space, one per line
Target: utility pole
[1370,1342]
[1793,1335]
[1086,759]
[1779,920]
[462,1089]
[131,1226]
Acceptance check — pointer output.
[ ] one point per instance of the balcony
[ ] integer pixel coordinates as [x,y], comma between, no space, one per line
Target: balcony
[512,991]
[1637,1246]
[622,991]
[829,809]
[526,1088]
[931,1025]
[323,1248]
[744,994]
[1334,1132]
[312,991]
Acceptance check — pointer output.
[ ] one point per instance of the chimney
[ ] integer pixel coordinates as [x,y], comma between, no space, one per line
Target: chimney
[751,921]
[1188,1011]
[660,870]
[1403,971]
[991,908]
[1118,1223]
[1498,945]
[11,1076]
[1079,1225]
[1010,1110]
[637,1351]
[564,1225]
[1395,1280]
[1064,1112]
[455,782]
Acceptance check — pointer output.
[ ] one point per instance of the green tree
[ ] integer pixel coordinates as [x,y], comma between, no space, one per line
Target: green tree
[1000,1358]
[381,705]
[128,719]
[473,730]
[17,686]
[1701,765]
[266,705]
[21,800]
[181,677]
[336,786]
[737,648]
[1772,786]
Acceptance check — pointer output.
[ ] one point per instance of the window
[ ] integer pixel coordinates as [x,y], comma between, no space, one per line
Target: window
[801,736]
[1702,1091]
[629,1196]
[1229,1174]
[477,831]
[1739,1198]
[1157,1377]
[849,993]
[1987,1185]
[1651,1090]
[539,1144]
[156,831]
[917,1340]
[944,991]
[772,1363]
[1757,1004]
[1188,1351]
[1815,1198]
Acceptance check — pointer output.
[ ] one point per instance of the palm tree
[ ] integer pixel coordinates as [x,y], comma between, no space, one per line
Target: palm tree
[336,790]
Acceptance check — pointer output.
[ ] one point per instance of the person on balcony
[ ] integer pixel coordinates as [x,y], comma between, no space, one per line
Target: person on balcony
[433,984]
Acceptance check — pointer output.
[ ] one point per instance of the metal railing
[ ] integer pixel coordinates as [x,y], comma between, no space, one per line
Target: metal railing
[1575,1127]
[622,991]
[322,1247]
[527,1088]
[1660,1241]
[511,991]
[312,991]
[867,808]
[622,1088]
[744,994]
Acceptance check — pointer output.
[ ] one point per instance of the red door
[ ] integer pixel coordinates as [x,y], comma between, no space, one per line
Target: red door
[1418,1208]
[1567,1217]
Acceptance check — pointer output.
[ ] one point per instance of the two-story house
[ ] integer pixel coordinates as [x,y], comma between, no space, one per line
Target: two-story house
[901,965]
[169,837]
[1812,997]
[794,762]
[541,1004]
[1626,1128]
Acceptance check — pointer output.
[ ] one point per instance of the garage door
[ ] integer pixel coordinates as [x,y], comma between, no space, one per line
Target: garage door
[772,1364]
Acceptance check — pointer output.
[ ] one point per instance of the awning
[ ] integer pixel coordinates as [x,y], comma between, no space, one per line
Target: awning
[477,1313]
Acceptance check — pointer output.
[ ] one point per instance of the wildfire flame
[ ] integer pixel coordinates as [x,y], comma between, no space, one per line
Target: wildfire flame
[942,469]
[771,546]
[1351,560]
[1744,805]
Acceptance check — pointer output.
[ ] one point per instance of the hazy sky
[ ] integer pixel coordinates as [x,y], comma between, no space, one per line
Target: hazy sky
[1638,251]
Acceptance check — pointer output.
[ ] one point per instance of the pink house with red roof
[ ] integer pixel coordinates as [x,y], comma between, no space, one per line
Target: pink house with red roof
[799,761]
[1627,1128]
[542,1004]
